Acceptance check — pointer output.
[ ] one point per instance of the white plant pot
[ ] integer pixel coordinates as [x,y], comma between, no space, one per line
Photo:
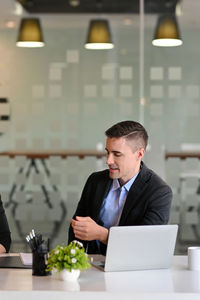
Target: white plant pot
[69,276]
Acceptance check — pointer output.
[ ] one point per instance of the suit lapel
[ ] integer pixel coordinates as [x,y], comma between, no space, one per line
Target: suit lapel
[134,193]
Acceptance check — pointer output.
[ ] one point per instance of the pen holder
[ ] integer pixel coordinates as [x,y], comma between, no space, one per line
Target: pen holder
[39,262]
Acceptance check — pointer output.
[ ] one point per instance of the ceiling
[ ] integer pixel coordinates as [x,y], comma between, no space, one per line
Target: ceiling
[97,6]
[11,10]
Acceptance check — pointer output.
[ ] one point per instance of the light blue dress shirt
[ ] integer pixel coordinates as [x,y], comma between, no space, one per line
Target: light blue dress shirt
[113,203]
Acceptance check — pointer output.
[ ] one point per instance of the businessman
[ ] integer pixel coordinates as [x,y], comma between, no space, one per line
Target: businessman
[126,194]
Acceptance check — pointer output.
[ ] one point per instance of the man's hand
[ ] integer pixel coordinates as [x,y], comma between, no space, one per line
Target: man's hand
[87,229]
[2,249]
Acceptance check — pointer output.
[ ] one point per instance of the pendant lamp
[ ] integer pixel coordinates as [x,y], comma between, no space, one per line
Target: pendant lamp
[30,33]
[99,36]
[167,32]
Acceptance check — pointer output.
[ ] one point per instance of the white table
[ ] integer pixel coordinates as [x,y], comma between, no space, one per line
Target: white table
[175,283]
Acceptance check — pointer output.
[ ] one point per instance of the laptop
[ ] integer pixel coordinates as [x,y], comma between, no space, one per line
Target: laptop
[13,262]
[139,248]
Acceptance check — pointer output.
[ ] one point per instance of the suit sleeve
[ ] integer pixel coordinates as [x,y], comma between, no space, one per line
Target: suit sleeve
[81,209]
[5,238]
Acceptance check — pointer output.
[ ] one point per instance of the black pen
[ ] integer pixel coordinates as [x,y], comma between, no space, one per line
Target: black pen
[30,242]
[34,239]
[39,239]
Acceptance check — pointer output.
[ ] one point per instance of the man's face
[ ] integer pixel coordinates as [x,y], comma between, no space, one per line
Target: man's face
[122,161]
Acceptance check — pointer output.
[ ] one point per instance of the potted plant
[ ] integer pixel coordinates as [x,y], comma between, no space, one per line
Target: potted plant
[68,261]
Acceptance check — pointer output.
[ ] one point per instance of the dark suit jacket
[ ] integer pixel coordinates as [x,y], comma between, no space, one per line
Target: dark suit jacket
[148,202]
[5,238]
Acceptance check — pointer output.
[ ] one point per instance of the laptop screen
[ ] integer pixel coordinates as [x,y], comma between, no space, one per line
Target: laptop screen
[140,247]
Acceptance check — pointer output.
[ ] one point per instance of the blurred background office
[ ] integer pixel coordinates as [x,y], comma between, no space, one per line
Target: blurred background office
[56,101]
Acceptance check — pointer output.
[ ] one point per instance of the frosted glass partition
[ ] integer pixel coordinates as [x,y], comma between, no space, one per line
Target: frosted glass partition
[63,97]
[43,195]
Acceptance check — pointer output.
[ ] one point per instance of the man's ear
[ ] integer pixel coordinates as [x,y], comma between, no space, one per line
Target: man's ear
[141,152]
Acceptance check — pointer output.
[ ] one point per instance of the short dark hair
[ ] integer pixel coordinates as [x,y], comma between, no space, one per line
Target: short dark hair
[130,130]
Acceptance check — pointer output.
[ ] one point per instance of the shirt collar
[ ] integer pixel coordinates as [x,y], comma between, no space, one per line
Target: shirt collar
[127,186]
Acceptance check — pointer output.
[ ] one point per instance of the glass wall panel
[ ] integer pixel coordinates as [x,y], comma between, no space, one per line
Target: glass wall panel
[63,97]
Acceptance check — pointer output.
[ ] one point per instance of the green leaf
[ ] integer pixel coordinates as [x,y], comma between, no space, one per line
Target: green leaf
[61,257]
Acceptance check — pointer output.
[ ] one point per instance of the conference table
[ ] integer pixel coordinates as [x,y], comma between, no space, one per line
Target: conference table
[178,282]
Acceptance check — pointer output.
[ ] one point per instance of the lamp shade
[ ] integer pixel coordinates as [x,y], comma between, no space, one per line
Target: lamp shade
[30,33]
[167,32]
[99,36]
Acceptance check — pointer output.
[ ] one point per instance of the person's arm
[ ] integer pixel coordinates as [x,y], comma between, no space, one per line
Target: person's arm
[2,249]
[5,239]
[82,207]
[87,229]
[83,218]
